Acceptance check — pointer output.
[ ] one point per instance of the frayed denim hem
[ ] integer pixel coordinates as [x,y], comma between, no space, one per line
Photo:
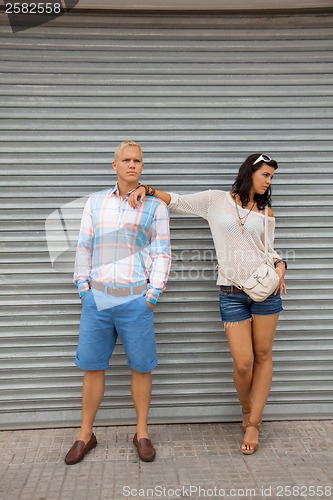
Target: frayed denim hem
[234,323]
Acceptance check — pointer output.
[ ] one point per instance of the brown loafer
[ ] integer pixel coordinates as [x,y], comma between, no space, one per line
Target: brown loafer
[79,450]
[146,450]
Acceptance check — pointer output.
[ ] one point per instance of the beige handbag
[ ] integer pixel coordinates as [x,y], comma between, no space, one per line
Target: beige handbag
[262,283]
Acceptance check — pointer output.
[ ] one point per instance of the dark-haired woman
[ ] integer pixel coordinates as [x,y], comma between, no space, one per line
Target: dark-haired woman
[237,221]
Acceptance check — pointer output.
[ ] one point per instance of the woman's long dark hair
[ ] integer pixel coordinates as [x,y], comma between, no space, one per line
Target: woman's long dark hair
[243,183]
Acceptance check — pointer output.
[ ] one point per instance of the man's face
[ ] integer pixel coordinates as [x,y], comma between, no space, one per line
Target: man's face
[128,164]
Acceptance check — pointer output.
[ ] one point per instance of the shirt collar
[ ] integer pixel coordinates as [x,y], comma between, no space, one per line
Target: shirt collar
[115,191]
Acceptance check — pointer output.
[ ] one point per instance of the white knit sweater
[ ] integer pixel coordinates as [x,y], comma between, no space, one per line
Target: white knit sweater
[238,254]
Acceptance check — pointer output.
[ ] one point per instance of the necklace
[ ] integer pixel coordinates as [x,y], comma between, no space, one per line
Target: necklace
[242,220]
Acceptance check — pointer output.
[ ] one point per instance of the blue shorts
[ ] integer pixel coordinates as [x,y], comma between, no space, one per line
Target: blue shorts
[132,320]
[236,307]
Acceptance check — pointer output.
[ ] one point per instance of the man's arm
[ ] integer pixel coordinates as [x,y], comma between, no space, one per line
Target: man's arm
[83,257]
[160,252]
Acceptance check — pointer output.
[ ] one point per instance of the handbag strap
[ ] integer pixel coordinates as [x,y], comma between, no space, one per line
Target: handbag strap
[266,233]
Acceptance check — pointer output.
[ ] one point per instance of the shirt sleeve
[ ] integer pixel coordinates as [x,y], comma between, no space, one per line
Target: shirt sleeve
[160,252]
[194,204]
[270,243]
[83,258]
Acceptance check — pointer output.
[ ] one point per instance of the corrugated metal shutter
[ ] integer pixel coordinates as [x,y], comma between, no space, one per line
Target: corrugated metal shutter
[200,92]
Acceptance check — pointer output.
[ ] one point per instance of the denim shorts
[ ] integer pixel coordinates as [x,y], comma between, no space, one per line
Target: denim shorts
[236,307]
[132,320]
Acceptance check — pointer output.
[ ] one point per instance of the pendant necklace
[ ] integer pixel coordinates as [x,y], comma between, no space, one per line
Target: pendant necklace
[242,220]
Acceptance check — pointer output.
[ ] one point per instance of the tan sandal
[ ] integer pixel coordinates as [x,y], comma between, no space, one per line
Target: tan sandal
[254,446]
[244,425]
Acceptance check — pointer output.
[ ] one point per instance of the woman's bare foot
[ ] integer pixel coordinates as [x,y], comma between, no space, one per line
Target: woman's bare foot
[251,439]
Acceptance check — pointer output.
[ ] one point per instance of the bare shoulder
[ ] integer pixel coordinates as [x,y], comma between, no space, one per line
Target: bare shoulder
[270,212]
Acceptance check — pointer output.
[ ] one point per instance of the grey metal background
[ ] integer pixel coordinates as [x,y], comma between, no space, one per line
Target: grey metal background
[200,92]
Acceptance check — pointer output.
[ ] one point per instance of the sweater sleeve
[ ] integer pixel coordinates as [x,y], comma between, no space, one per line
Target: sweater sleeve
[271,232]
[193,204]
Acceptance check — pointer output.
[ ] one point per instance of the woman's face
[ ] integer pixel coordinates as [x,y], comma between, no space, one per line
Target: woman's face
[262,179]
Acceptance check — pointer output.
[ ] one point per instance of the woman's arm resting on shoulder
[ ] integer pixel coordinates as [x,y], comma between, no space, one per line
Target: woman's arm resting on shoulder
[142,191]
[192,204]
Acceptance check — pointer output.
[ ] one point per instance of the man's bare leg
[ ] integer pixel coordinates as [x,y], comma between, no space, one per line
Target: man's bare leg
[92,396]
[141,395]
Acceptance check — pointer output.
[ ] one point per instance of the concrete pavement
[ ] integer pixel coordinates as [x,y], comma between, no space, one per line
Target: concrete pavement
[294,461]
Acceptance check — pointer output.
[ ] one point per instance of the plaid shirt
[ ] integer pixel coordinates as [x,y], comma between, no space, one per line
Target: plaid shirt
[120,246]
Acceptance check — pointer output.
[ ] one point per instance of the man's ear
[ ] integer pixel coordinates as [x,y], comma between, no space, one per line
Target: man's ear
[114,166]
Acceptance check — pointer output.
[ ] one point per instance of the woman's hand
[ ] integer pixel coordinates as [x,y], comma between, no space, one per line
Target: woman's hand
[281,271]
[136,196]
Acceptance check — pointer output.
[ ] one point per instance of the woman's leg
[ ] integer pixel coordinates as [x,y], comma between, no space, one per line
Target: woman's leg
[239,336]
[263,332]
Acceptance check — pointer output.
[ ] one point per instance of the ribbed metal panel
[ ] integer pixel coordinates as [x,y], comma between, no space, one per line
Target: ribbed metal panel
[200,92]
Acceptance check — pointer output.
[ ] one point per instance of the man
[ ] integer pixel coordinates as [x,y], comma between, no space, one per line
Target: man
[122,265]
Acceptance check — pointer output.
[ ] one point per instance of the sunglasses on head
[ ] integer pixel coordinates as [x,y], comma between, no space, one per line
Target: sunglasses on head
[262,158]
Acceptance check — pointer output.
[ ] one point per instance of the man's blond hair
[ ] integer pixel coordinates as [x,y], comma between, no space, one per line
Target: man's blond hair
[127,143]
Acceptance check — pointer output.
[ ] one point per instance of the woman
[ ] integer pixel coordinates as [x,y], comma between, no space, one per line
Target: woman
[237,221]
